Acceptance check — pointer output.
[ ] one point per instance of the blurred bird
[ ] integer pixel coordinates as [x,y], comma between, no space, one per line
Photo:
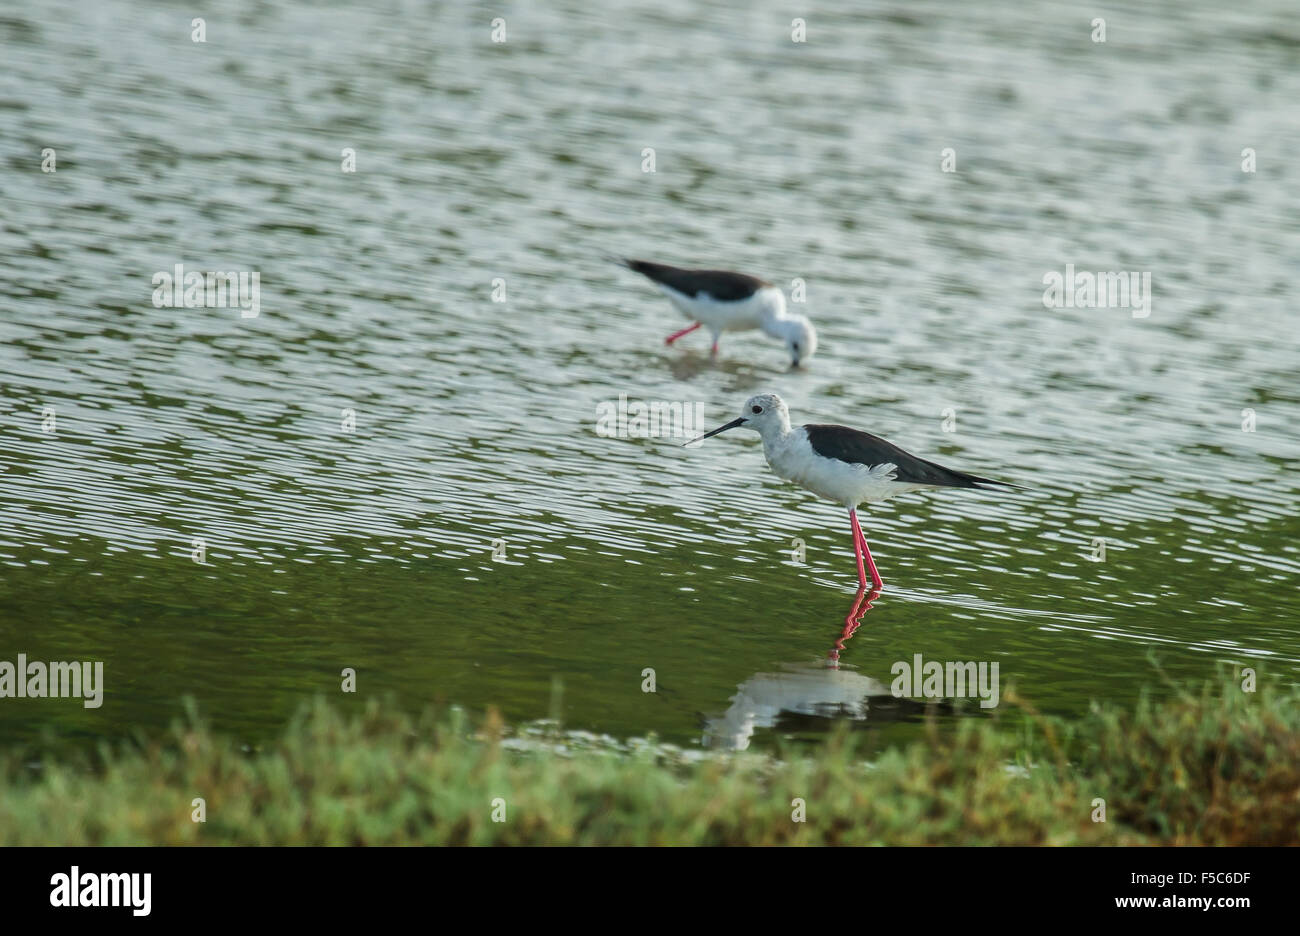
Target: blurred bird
[724,301]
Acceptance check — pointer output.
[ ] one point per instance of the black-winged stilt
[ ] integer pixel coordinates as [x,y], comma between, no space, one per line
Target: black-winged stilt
[724,301]
[844,465]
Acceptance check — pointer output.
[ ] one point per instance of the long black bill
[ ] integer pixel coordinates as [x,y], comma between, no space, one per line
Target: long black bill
[731,425]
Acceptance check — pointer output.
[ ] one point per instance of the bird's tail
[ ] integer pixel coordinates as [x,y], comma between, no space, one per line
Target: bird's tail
[941,476]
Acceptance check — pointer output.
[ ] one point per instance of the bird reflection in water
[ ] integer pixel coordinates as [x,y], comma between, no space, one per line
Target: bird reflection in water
[809,695]
[852,621]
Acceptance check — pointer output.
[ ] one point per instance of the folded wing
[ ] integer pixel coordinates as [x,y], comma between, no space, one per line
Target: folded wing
[862,448]
[722,285]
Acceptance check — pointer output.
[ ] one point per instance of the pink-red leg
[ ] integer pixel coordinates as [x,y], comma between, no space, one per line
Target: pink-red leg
[863,552]
[714,351]
[857,551]
[685,331]
[876,581]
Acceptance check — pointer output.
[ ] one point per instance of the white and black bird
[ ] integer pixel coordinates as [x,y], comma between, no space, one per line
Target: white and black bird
[724,301]
[844,465]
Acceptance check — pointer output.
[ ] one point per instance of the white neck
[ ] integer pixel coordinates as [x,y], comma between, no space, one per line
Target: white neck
[782,327]
[775,432]
[772,308]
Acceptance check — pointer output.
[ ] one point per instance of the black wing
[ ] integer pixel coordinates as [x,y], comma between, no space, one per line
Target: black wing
[722,285]
[862,448]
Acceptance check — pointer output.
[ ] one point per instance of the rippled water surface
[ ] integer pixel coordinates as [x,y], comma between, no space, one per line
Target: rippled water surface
[475,420]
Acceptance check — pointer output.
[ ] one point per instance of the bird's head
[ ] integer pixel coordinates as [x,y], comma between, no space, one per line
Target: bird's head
[763,413]
[799,336]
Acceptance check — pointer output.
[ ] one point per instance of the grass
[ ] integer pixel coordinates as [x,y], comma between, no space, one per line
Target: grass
[1221,767]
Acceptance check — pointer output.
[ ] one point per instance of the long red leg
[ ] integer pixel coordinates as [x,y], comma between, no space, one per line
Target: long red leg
[714,351]
[876,581]
[685,331]
[857,550]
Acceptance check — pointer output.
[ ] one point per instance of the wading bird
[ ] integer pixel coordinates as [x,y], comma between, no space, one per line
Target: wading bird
[724,301]
[847,466]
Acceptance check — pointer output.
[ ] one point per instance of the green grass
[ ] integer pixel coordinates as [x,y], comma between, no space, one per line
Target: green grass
[1219,767]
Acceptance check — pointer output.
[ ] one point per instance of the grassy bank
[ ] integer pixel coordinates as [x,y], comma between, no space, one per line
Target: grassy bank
[1218,767]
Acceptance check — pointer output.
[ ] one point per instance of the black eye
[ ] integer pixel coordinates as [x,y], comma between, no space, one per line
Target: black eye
[757,409]
[796,347]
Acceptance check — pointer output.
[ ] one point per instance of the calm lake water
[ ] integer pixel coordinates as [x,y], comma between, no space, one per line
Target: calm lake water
[1169,440]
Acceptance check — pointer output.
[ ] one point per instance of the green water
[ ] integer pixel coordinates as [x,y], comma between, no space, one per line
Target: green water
[475,420]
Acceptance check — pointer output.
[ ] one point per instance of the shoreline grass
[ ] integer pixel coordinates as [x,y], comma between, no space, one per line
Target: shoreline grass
[1220,767]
